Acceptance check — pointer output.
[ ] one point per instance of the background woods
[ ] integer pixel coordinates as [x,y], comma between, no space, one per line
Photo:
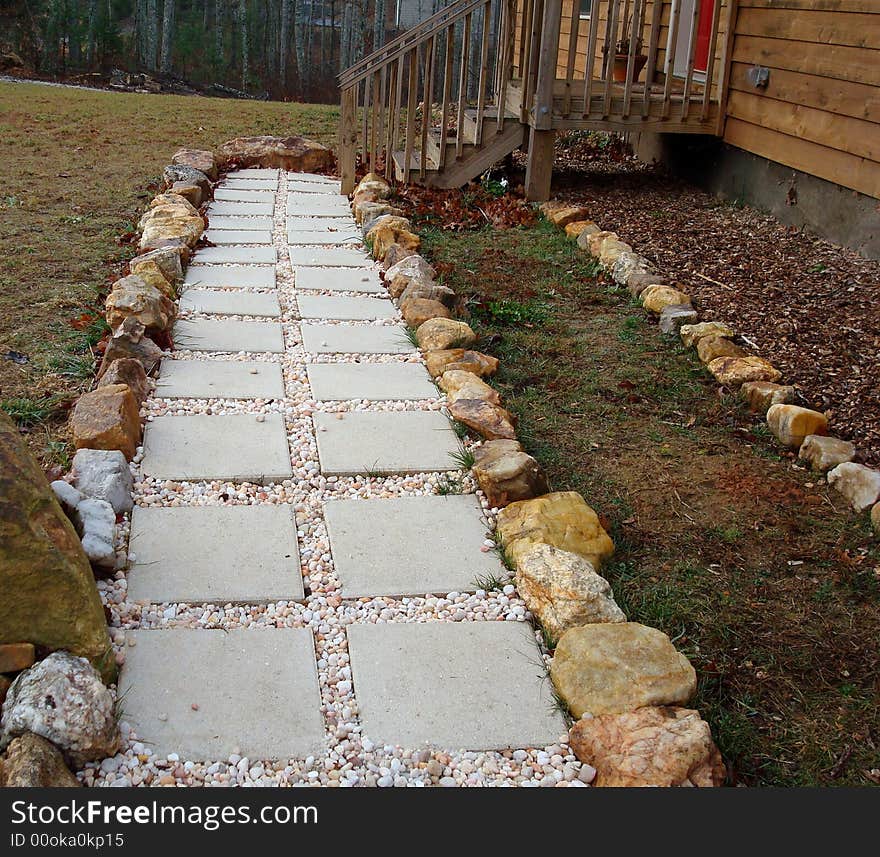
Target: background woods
[285,49]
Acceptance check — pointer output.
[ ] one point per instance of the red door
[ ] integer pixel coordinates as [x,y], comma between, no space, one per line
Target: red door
[704,33]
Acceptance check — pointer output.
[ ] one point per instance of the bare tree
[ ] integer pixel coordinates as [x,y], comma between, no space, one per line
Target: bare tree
[243,28]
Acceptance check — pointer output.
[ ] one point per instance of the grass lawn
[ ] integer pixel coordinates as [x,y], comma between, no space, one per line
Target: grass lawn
[79,167]
[758,572]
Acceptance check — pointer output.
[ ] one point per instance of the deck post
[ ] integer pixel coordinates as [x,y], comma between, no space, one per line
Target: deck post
[348,135]
[539,168]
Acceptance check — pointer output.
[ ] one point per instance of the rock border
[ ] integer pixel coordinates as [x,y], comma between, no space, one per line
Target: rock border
[759,383]
[630,724]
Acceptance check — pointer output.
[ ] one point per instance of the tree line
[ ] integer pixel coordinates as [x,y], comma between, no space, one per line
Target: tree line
[285,49]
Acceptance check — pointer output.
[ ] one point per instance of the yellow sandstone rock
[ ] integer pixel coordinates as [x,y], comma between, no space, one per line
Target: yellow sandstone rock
[616,667]
[458,384]
[490,421]
[416,311]
[566,214]
[107,418]
[654,298]
[733,371]
[438,334]
[693,333]
[710,348]
[790,424]
[482,365]
[761,394]
[505,473]
[574,229]
[562,519]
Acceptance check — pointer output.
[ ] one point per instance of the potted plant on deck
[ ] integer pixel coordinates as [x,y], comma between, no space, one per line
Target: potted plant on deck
[622,49]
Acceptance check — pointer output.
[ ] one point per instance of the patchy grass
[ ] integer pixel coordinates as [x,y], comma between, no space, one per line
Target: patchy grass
[756,570]
[79,167]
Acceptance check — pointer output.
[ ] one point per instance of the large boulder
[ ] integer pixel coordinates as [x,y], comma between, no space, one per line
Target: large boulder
[650,746]
[439,334]
[63,700]
[507,474]
[563,590]
[33,762]
[107,418]
[129,341]
[48,591]
[104,474]
[198,159]
[612,668]
[134,296]
[293,153]
[562,519]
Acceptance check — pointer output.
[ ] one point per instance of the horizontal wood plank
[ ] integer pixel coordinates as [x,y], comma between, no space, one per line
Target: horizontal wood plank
[825,28]
[855,136]
[869,6]
[831,164]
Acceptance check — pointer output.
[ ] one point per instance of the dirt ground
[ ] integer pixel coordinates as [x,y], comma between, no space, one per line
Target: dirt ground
[754,567]
[79,166]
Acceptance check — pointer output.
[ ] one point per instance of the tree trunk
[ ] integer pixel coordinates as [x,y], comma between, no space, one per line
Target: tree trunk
[284,47]
[378,24]
[245,59]
[167,37]
[218,34]
[152,25]
[92,36]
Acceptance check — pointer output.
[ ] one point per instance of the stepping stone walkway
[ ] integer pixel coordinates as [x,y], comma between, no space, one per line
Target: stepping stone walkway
[300,600]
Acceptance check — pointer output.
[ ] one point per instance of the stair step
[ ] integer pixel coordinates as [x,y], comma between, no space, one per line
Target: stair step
[415,162]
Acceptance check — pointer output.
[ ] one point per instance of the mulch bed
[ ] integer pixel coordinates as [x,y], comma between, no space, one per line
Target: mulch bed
[809,306]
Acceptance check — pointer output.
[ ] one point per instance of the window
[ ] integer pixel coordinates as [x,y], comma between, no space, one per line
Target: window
[585,7]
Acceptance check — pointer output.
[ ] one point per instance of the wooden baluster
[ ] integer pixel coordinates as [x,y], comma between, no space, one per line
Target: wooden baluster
[383,106]
[393,72]
[611,44]
[348,138]
[398,102]
[411,112]
[670,58]
[374,122]
[447,91]
[651,66]
[484,60]
[529,38]
[590,60]
[506,63]
[462,85]
[571,57]
[365,125]
[689,75]
[427,104]
[710,65]
[635,37]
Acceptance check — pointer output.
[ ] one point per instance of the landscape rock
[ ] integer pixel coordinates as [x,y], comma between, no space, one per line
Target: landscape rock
[95,522]
[389,232]
[428,290]
[823,453]
[374,183]
[396,252]
[416,311]
[169,226]
[188,175]
[710,348]
[576,227]
[790,424]
[451,359]
[875,518]
[133,296]
[614,668]
[107,418]
[166,262]
[458,384]
[33,762]
[154,278]
[561,519]
[198,159]
[15,657]
[399,275]
[49,593]
[104,474]
[507,474]
[596,239]
[130,372]
[673,316]
[611,250]
[563,590]
[734,371]
[691,334]
[367,211]
[130,342]
[192,193]
[170,200]
[490,421]
[63,700]
[760,395]
[294,153]
[858,483]
[655,297]
[566,214]
[634,271]
[5,684]
[439,334]
[651,746]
